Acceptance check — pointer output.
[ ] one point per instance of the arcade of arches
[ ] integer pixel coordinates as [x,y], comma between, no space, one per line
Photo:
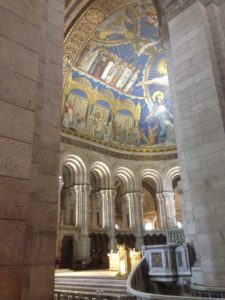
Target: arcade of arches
[120,201]
[112,127]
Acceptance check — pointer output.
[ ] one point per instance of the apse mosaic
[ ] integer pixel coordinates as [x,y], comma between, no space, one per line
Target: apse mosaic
[116,89]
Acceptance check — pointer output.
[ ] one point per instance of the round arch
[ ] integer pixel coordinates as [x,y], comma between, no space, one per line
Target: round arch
[126,176]
[172,175]
[75,168]
[102,173]
[155,176]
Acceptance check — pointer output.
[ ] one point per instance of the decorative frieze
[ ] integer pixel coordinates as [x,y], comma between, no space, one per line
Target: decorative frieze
[156,155]
[174,7]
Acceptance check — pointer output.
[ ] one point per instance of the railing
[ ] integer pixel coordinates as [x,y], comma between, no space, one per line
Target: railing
[138,281]
[175,235]
[67,295]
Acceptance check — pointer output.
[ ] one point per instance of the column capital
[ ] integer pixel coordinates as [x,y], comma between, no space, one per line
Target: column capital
[172,8]
[207,2]
[133,194]
[61,183]
[159,196]
[77,188]
[68,191]
[82,187]
[107,192]
[164,194]
[168,193]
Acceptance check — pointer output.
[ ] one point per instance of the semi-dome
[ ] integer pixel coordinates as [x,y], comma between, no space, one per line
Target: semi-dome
[119,67]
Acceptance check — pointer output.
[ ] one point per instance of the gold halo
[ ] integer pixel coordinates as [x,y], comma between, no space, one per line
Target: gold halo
[162,66]
[156,94]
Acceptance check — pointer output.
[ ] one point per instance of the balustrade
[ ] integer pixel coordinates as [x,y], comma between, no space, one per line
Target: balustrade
[173,236]
[61,295]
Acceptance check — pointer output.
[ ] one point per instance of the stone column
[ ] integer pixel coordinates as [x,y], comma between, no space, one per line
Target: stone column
[198,101]
[165,205]
[166,210]
[59,244]
[170,213]
[69,199]
[59,199]
[161,210]
[58,247]
[82,202]
[78,200]
[136,217]
[108,209]
[129,205]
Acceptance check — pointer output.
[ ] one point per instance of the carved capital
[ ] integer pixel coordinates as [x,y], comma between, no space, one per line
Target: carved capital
[172,8]
[68,192]
[207,2]
[108,193]
[80,188]
[60,183]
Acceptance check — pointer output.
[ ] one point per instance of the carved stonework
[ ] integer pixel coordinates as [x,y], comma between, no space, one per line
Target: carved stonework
[157,259]
[138,157]
[95,16]
[207,2]
[173,7]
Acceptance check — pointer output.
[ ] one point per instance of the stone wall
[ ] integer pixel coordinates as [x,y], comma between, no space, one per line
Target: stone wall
[197,87]
[31,37]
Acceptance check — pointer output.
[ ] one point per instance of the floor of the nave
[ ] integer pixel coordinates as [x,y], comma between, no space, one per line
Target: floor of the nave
[90,273]
[90,285]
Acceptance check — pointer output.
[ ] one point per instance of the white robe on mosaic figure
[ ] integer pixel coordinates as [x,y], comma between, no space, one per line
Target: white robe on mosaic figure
[107,69]
[90,61]
[132,81]
[127,73]
[111,74]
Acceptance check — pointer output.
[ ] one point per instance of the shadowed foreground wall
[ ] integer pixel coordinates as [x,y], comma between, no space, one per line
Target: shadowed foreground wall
[197,87]
[31,50]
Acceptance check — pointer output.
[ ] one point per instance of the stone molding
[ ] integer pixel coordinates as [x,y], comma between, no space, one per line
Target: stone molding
[105,191]
[154,156]
[174,7]
[61,183]
[81,187]
[68,191]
